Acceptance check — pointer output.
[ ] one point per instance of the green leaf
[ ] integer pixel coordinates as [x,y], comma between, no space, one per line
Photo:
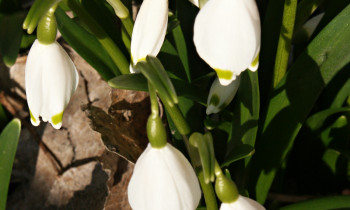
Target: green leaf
[270,31]
[129,82]
[85,44]
[106,19]
[304,11]
[325,203]
[8,146]
[181,47]
[294,97]
[330,158]
[139,82]
[316,121]
[285,40]
[246,112]
[171,61]
[103,37]
[239,152]
[10,36]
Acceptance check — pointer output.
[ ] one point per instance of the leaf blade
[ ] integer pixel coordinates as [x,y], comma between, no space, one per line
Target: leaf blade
[8,144]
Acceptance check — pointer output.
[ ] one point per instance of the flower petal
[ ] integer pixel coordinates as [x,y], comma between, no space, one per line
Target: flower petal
[242,203]
[149,29]
[33,81]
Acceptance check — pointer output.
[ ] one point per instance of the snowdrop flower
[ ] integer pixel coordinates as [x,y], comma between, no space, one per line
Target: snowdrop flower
[149,30]
[242,203]
[227,37]
[220,96]
[163,179]
[50,79]
[227,192]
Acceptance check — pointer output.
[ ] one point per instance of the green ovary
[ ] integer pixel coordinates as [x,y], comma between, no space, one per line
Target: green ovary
[57,118]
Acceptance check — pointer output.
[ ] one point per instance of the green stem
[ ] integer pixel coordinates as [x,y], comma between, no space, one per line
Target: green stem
[153,99]
[285,40]
[128,24]
[208,191]
[123,13]
[178,118]
[113,50]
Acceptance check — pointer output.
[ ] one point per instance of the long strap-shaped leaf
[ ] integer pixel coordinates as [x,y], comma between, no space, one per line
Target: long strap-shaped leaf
[85,44]
[294,97]
[8,146]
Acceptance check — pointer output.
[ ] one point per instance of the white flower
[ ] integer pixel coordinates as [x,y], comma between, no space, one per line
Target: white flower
[227,37]
[50,79]
[149,30]
[242,203]
[163,179]
[220,96]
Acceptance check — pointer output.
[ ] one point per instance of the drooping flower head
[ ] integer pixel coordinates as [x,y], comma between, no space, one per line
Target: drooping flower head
[163,179]
[50,79]
[50,75]
[227,37]
[149,30]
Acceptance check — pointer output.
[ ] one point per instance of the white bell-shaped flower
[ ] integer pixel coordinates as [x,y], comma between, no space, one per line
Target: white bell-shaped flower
[242,203]
[50,79]
[163,179]
[149,30]
[227,37]
[221,96]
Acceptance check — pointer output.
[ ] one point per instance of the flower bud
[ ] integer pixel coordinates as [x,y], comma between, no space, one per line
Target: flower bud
[221,96]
